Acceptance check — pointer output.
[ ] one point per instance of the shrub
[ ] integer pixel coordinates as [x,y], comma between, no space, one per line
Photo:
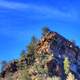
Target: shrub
[66,65]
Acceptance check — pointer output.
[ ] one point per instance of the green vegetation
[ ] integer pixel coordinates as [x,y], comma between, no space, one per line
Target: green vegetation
[34,66]
[45,30]
[66,65]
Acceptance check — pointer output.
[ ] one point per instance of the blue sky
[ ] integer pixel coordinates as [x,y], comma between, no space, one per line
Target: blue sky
[20,19]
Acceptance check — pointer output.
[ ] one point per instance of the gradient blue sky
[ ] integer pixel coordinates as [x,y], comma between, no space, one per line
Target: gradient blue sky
[20,19]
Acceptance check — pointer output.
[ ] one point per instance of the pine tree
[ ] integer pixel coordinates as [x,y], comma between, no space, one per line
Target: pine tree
[3,64]
[31,50]
[23,54]
[31,47]
[66,65]
[45,30]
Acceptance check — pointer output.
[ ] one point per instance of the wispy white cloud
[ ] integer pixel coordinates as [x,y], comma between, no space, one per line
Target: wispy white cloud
[12,5]
[41,12]
[45,11]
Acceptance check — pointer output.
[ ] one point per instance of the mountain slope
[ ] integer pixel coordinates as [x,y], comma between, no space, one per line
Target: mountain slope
[52,58]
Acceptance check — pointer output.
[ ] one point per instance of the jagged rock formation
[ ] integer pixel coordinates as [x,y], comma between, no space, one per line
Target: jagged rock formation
[55,44]
[52,41]
[50,53]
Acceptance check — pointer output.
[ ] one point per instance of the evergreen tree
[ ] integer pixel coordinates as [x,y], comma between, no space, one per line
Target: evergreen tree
[31,47]
[3,64]
[23,54]
[31,50]
[66,65]
[45,30]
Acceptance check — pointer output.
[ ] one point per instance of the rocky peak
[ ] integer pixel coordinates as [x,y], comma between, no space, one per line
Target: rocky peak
[50,53]
[54,42]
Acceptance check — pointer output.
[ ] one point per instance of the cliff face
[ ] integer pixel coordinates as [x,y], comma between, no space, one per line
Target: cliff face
[51,54]
[59,47]
[54,43]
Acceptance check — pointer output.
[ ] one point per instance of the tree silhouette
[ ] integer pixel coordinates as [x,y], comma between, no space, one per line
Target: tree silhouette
[31,50]
[45,30]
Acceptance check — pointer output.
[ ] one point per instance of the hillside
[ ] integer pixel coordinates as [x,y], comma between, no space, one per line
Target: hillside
[53,57]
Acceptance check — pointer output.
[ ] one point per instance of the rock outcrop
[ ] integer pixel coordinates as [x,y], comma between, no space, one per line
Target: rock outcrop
[50,53]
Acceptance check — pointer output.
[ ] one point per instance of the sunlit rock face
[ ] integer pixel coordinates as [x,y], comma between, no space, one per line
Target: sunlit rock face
[50,53]
[54,43]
